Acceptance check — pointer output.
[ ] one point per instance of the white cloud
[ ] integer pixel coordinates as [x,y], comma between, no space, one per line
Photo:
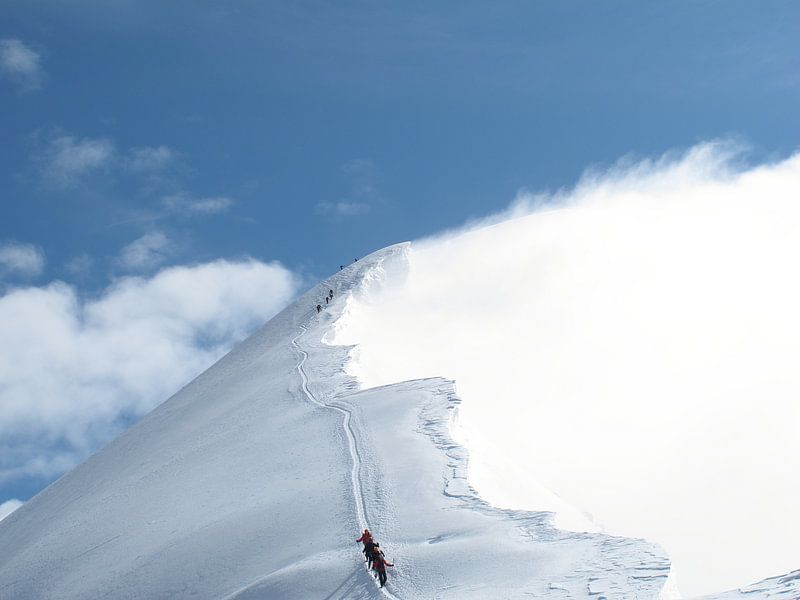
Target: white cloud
[187,205]
[21,65]
[149,159]
[343,209]
[146,252]
[631,346]
[21,259]
[75,371]
[65,159]
[7,507]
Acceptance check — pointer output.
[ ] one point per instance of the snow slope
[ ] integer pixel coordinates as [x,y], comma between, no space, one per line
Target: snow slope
[255,479]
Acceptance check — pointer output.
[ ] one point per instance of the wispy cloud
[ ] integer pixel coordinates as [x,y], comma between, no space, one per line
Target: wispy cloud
[342,209]
[21,65]
[65,160]
[146,252]
[363,176]
[149,159]
[185,204]
[118,355]
[362,179]
[79,265]
[21,259]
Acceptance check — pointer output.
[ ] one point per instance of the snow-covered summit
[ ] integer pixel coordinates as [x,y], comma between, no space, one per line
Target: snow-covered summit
[255,480]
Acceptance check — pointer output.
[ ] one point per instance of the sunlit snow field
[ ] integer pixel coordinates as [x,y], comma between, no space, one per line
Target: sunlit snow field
[627,355]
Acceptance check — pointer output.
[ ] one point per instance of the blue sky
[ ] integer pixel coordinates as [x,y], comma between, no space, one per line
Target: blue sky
[139,136]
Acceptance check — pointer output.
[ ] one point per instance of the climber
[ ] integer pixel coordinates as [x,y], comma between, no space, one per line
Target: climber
[366,538]
[373,552]
[369,549]
[379,563]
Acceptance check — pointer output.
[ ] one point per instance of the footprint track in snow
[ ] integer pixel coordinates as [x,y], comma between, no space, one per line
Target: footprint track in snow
[355,454]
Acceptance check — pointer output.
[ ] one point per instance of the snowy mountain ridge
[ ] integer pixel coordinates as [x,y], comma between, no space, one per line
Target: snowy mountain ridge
[254,480]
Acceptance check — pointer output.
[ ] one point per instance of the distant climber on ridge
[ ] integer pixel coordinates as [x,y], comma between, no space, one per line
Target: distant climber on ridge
[319,307]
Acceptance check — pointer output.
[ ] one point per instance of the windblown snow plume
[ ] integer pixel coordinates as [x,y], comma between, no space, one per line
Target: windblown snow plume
[626,353]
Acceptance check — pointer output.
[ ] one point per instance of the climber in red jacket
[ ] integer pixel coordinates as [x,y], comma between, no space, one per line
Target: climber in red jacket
[366,537]
[379,563]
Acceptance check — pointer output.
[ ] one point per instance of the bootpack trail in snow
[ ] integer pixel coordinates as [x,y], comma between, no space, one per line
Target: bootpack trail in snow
[358,494]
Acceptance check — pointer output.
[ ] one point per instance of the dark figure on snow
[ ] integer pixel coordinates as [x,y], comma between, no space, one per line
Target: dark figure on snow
[341,267]
[369,550]
[379,563]
[330,293]
[373,552]
[327,300]
[369,544]
[319,307]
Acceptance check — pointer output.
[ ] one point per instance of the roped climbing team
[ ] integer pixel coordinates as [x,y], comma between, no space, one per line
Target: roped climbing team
[374,556]
[372,549]
[328,298]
